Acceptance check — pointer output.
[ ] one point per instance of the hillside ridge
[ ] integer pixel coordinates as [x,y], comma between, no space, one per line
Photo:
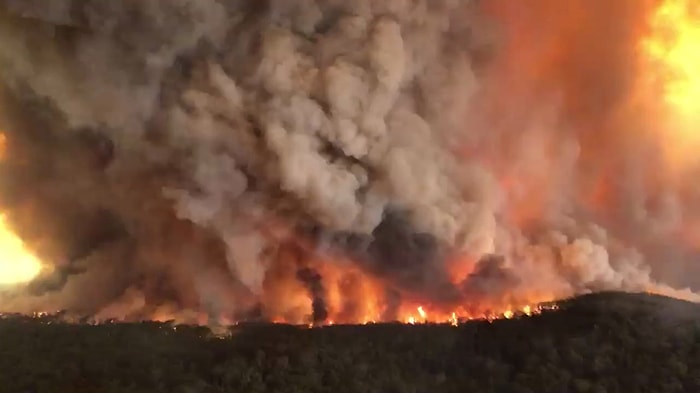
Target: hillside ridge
[605,342]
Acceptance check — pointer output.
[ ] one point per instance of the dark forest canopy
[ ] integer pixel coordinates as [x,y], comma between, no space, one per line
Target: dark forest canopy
[597,343]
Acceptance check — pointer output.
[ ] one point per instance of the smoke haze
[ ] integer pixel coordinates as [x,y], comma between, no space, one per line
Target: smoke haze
[304,160]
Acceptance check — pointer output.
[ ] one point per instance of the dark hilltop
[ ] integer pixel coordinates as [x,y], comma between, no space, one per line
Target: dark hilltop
[608,342]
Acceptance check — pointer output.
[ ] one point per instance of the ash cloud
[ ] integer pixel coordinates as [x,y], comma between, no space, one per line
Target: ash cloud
[208,133]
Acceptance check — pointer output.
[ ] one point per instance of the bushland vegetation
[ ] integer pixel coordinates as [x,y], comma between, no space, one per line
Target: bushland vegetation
[603,343]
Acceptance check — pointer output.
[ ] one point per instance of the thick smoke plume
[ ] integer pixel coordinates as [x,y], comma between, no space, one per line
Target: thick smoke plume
[321,160]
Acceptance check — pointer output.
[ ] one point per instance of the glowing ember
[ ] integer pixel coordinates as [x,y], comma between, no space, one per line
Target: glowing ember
[673,49]
[17,264]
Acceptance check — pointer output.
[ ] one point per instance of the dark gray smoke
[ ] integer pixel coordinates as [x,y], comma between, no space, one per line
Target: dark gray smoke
[172,155]
[314,283]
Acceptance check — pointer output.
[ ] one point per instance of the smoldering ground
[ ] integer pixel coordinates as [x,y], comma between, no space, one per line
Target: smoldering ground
[221,155]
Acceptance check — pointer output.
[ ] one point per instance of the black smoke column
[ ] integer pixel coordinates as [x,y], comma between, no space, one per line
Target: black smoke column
[314,282]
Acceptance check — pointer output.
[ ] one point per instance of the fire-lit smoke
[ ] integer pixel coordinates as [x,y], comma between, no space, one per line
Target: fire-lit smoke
[672,50]
[17,264]
[345,161]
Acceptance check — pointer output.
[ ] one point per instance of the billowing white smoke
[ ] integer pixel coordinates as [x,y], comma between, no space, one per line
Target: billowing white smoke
[254,119]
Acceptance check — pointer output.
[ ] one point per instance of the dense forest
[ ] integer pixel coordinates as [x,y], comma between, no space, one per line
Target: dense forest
[614,343]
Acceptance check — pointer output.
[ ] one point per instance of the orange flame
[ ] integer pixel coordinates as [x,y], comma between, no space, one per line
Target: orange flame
[671,57]
[17,264]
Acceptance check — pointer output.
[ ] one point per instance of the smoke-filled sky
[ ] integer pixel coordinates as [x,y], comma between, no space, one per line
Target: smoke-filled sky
[351,160]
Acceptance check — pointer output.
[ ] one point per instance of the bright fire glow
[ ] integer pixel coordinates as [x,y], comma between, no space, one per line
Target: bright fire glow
[455,317]
[422,313]
[672,49]
[17,264]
